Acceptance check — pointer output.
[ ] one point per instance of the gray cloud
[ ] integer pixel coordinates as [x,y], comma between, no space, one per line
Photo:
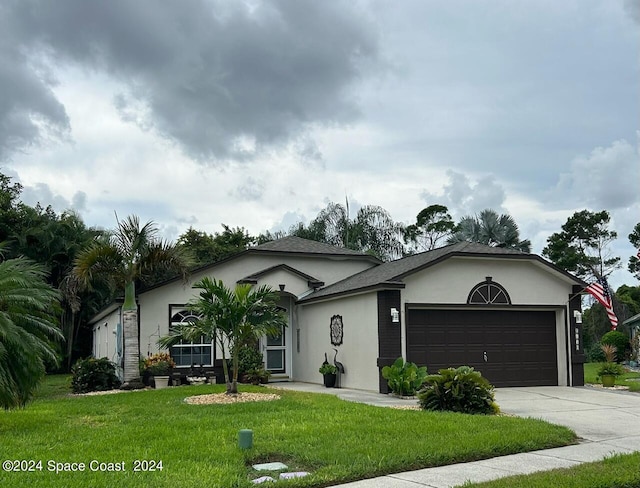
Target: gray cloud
[205,74]
[29,112]
[251,190]
[462,197]
[633,9]
[606,178]
[41,193]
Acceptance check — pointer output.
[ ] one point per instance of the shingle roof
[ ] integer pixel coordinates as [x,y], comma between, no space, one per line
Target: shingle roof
[298,245]
[391,274]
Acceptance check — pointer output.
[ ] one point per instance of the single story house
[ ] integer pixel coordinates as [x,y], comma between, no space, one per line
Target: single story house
[511,315]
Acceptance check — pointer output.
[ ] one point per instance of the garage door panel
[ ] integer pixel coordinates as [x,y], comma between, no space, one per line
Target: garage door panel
[520,345]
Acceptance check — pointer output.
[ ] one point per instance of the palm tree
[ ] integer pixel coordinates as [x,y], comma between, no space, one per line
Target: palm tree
[231,318]
[28,308]
[491,229]
[131,253]
[372,230]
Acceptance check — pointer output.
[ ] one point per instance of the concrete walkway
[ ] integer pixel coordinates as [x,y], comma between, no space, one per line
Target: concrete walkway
[594,414]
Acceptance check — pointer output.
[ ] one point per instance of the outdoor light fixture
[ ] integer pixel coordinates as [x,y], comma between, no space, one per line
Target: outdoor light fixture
[281,286]
[395,315]
[578,316]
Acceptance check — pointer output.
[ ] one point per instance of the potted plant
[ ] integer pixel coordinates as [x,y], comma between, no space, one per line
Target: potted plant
[609,370]
[159,366]
[329,373]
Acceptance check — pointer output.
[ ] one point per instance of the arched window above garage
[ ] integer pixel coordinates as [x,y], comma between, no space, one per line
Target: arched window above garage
[488,293]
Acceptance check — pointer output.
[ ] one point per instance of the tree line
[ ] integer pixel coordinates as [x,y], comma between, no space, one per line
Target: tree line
[70,258]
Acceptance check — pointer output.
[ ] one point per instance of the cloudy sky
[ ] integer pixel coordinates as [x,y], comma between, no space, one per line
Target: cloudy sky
[259,113]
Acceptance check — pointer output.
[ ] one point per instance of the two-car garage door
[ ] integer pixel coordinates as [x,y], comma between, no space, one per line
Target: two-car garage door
[509,347]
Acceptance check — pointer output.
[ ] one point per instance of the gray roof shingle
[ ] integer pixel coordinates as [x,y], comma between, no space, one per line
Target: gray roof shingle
[391,274]
[298,245]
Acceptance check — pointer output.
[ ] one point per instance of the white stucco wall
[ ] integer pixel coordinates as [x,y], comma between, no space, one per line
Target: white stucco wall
[154,304]
[359,350]
[104,337]
[526,283]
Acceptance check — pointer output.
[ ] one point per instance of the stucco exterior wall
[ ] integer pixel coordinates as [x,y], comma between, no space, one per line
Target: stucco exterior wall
[526,283]
[104,336]
[154,304]
[359,350]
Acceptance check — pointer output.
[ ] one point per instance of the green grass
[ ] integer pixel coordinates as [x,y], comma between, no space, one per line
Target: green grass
[337,441]
[591,376]
[620,471]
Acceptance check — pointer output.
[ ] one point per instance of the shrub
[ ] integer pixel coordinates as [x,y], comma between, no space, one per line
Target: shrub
[159,364]
[93,375]
[404,378]
[619,340]
[458,390]
[595,353]
[249,358]
[328,368]
[613,369]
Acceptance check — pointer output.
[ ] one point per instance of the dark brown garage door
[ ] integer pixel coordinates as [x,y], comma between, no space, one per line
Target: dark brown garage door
[510,348]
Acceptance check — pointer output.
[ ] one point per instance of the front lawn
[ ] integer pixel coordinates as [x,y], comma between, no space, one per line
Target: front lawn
[620,471]
[629,379]
[335,440]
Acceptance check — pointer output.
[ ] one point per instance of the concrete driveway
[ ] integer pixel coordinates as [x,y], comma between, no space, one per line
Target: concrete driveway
[607,422]
[595,414]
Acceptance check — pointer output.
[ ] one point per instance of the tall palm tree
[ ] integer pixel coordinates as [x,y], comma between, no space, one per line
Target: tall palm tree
[131,253]
[491,229]
[231,318]
[28,309]
[372,230]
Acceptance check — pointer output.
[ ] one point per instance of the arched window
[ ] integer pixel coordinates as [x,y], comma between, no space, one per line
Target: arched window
[488,293]
[191,353]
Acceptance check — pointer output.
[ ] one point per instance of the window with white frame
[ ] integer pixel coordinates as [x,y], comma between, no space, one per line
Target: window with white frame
[191,353]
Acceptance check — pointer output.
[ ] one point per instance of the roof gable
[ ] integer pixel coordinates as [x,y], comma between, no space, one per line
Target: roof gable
[391,274]
[298,245]
[254,277]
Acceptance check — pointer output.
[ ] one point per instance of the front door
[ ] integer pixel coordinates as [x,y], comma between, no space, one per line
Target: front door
[277,350]
[275,353]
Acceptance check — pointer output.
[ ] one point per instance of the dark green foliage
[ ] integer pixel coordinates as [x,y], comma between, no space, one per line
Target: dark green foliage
[458,390]
[613,369]
[404,378]
[433,224]
[28,310]
[634,262]
[491,229]
[595,354]
[249,358]
[93,375]
[581,247]
[619,340]
[208,248]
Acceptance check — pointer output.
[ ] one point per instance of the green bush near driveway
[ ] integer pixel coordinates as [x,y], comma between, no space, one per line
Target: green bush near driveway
[337,441]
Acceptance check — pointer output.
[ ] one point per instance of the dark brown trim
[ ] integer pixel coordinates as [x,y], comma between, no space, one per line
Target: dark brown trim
[483,307]
[253,278]
[354,292]
[389,333]
[575,357]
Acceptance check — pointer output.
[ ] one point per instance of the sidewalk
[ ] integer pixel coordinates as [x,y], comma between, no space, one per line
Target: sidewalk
[594,414]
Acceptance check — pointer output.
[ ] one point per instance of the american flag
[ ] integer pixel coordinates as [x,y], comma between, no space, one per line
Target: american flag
[600,290]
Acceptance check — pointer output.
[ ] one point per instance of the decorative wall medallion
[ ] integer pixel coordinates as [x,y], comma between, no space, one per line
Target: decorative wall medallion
[336,329]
